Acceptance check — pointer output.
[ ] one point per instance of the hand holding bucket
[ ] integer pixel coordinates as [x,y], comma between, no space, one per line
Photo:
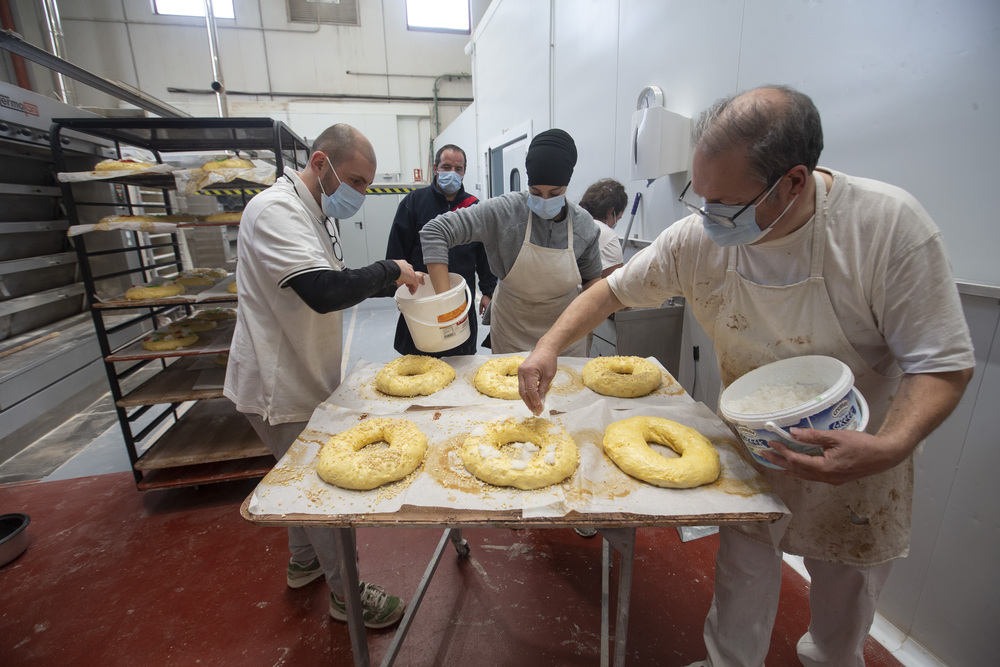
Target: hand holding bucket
[837,405]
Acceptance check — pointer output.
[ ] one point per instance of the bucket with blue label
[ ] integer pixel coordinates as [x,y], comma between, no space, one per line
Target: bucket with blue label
[813,391]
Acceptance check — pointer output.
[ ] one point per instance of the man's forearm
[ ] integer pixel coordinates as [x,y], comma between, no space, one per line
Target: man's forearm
[581,317]
[439,277]
[921,403]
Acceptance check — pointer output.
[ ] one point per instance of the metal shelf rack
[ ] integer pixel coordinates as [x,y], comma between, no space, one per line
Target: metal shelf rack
[175,433]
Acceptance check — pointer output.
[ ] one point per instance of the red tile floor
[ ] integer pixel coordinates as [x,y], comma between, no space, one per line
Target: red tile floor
[115,576]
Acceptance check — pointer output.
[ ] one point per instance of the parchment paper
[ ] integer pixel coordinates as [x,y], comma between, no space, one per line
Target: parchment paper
[567,392]
[190,181]
[220,288]
[598,486]
[82,176]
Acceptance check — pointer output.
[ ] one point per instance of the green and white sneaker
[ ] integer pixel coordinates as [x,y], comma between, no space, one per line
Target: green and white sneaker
[300,574]
[379,609]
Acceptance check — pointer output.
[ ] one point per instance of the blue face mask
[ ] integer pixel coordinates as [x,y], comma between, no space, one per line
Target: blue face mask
[546,208]
[449,181]
[745,230]
[343,203]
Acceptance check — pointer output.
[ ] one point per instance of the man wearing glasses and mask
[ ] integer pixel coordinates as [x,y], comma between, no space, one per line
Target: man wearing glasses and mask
[782,258]
[285,356]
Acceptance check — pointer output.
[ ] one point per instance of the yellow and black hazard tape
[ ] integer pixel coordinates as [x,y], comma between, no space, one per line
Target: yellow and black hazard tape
[389,191]
[241,191]
[254,191]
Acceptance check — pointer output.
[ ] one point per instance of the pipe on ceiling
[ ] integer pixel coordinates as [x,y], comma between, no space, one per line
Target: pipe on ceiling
[218,85]
[54,34]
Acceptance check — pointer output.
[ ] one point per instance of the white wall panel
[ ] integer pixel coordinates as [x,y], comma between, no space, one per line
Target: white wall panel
[512,62]
[308,119]
[959,601]
[585,110]
[936,467]
[99,47]
[692,51]
[176,57]
[909,92]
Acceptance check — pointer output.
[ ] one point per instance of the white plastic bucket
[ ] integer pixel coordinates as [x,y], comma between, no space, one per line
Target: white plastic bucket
[437,322]
[839,406]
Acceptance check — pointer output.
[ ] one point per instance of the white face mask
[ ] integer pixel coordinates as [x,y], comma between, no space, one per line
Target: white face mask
[745,229]
[449,181]
[344,202]
[546,208]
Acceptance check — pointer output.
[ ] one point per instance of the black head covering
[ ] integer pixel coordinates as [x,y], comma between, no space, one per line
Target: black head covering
[551,158]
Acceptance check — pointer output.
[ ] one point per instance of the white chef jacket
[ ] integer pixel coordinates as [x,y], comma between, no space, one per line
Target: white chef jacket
[285,357]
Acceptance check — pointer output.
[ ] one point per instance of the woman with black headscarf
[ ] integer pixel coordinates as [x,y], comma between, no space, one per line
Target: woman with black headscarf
[542,247]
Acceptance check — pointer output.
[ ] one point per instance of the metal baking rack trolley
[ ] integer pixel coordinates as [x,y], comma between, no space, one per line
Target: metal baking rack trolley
[442,493]
[177,427]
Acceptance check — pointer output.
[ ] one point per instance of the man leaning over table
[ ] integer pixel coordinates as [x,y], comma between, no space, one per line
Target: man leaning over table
[783,258]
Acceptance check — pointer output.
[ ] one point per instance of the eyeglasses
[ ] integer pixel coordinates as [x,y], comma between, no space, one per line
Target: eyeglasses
[724,220]
[331,229]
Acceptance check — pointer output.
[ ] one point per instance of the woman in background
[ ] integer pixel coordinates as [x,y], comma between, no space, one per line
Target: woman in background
[605,201]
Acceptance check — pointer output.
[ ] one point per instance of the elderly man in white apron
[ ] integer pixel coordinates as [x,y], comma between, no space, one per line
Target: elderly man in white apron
[785,259]
[541,246]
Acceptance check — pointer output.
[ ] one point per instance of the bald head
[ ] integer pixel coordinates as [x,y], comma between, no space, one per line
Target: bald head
[341,142]
[776,127]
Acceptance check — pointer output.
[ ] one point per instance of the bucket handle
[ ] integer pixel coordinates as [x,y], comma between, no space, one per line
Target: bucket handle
[468,304]
[862,407]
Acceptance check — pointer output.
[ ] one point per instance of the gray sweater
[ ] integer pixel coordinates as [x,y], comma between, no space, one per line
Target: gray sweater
[499,224]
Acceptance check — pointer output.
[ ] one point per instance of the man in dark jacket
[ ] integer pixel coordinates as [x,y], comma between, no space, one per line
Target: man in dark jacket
[446,193]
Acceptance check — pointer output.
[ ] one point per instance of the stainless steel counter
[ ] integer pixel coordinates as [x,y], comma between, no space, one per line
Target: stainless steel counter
[643,332]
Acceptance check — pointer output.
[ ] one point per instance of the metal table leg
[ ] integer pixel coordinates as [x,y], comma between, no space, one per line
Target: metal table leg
[347,552]
[605,600]
[623,540]
[352,595]
[453,535]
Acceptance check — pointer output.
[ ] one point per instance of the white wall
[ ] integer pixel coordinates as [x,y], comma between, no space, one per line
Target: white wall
[909,91]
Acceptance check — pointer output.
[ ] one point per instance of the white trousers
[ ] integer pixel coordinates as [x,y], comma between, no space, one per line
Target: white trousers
[304,543]
[842,602]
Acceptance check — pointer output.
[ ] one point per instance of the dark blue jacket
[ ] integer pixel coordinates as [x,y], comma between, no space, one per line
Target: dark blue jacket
[469,260]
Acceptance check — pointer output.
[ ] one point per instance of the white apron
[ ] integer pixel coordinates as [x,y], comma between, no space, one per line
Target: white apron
[862,522]
[538,288]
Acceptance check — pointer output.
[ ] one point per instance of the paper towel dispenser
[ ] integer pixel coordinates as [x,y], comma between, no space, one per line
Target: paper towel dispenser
[661,143]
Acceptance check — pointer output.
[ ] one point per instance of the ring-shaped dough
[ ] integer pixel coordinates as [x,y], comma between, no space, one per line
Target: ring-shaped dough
[414,375]
[622,377]
[232,287]
[154,291]
[498,377]
[169,340]
[547,455]
[626,442]
[347,461]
